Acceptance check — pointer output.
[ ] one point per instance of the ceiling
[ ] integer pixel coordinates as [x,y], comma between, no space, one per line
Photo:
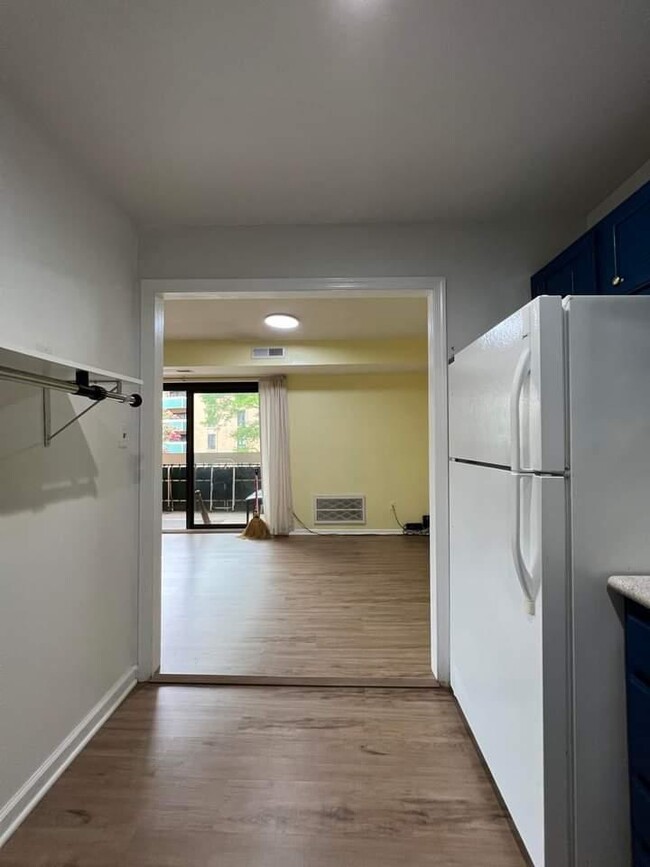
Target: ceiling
[308,111]
[320,319]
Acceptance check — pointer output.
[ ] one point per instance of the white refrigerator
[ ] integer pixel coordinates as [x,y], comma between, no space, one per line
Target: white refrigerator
[549,431]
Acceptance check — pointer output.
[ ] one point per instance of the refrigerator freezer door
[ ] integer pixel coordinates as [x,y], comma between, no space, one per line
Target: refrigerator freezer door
[609,384]
[508,667]
[483,396]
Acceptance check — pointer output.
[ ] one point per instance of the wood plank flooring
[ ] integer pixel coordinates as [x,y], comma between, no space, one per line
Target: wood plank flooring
[272,777]
[304,606]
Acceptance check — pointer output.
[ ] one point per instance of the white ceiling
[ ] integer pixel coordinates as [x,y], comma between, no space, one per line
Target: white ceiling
[320,319]
[307,111]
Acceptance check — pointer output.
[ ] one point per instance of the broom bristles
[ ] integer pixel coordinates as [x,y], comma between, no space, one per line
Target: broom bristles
[256,529]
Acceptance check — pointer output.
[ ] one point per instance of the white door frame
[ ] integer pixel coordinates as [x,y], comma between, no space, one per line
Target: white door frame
[153,293]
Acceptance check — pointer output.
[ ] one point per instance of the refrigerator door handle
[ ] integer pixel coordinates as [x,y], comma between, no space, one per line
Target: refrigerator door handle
[522,370]
[526,581]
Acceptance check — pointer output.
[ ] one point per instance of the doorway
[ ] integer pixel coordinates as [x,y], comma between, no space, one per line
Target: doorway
[211,466]
[154,295]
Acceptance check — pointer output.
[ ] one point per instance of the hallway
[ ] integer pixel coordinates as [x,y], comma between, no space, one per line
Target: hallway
[272,777]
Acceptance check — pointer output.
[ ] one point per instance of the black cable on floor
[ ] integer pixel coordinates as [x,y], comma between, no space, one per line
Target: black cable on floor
[305,527]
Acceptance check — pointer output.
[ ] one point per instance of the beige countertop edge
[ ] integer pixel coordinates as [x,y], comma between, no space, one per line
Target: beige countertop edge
[635,587]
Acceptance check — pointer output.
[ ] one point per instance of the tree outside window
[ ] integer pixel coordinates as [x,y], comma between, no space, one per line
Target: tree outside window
[222,410]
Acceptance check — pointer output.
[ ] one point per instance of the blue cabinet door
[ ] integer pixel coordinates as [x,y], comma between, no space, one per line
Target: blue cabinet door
[623,239]
[637,658]
[573,272]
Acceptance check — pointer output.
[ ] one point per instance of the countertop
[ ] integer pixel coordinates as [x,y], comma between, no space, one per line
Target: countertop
[635,587]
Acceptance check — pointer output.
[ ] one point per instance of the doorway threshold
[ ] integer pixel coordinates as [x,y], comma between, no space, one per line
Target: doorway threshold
[387,682]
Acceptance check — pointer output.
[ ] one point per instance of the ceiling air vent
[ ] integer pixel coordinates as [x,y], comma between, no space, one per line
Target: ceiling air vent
[348,509]
[268,352]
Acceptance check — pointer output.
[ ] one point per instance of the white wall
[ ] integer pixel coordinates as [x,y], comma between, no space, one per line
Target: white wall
[66,256]
[68,514]
[487,266]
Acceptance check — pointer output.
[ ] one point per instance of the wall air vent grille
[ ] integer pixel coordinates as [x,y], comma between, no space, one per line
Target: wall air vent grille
[258,352]
[346,509]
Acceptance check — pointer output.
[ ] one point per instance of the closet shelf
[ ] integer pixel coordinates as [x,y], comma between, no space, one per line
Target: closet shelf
[53,374]
[46,364]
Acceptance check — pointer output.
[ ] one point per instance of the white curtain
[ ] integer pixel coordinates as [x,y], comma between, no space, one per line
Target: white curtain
[276,470]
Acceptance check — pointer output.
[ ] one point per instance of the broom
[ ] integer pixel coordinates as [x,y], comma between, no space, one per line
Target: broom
[256,528]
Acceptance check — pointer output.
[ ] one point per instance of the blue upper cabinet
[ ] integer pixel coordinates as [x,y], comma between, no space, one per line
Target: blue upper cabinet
[613,258]
[623,240]
[573,272]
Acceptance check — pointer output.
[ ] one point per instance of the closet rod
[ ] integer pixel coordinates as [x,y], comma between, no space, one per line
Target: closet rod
[81,386]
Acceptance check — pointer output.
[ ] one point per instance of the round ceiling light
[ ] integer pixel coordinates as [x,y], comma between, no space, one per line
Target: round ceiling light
[283,321]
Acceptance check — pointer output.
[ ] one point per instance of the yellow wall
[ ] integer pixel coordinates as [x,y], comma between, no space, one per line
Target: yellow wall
[351,432]
[409,351]
[360,434]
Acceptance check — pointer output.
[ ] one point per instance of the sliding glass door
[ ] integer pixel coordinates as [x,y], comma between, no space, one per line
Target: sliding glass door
[221,453]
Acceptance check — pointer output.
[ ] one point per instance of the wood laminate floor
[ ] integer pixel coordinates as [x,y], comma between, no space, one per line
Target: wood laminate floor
[302,606]
[272,777]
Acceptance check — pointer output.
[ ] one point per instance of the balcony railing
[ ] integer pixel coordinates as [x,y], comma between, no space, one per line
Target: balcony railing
[224,486]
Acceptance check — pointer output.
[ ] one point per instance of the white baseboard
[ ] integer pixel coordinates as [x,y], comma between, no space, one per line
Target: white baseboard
[354,531]
[27,797]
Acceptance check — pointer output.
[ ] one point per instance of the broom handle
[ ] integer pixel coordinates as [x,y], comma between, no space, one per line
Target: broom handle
[257,485]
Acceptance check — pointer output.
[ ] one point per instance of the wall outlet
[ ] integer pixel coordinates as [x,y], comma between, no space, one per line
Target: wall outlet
[124,438]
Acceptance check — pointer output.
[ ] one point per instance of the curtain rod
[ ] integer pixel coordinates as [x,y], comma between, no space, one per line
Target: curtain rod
[81,385]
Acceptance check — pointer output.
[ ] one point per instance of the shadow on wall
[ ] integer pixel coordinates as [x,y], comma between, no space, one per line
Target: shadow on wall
[32,476]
